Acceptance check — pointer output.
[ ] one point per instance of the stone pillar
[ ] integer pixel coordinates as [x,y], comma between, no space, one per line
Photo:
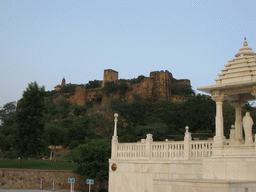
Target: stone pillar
[114,139]
[238,123]
[219,138]
[187,140]
[149,140]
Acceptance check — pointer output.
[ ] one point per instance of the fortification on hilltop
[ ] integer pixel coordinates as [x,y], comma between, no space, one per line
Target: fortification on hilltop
[110,75]
[158,86]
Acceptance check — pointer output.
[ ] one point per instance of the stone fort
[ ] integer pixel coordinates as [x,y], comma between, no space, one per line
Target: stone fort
[155,87]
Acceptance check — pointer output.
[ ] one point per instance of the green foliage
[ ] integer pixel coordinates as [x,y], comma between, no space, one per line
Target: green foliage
[110,88]
[50,94]
[51,109]
[38,164]
[137,97]
[182,90]
[159,131]
[93,84]
[170,113]
[73,144]
[79,109]
[7,113]
[228,117]
[55,135]
[79,129]
[12,154]
[123,87]
[101,123]
[69,88]
[198,112]
[30,121]
[64,107]
[8,138]
[92,158]
[137,80]
[141,77]
[135,113]
[97,99]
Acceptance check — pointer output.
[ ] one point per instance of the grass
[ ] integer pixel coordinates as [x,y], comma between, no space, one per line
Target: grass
[38,164]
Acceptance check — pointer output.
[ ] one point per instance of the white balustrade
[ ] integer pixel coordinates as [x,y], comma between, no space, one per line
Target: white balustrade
[164,150]
[167,150]
[200,149]
[130,150]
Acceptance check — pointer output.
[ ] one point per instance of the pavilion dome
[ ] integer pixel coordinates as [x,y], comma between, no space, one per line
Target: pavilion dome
[240,69]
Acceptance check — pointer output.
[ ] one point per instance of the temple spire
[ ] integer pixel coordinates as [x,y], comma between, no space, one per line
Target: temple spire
[245,42]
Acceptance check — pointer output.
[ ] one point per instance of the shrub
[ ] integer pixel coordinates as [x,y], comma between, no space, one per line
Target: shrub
[69,88]
[93,84]
[110,88]
[182,89]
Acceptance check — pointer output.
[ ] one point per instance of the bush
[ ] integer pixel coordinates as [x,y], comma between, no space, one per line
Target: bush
[97,99]
[137,97]
[12,154]
[73,144]
[110,88]
[69,88]
[93,84]
[79,110]
[182,89]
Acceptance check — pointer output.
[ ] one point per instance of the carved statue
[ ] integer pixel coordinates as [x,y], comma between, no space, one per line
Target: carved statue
[247,124]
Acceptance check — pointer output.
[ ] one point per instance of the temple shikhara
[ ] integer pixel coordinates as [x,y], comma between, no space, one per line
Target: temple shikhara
[220,164]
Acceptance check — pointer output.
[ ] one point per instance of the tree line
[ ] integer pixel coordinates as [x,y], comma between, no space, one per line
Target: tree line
[37,122]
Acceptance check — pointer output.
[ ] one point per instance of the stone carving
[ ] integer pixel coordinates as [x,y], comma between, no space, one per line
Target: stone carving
[247,124]
[232,136]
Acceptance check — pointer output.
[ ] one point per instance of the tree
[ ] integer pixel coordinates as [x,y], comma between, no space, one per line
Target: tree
[92,158]
[93,84]
[182,90]
[63,106]
[69,88]
[198,112]
[8,135]
[30,121]
[7,113]
[55,135]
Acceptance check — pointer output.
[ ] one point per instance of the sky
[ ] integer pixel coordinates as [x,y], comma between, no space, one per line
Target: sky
[46,40]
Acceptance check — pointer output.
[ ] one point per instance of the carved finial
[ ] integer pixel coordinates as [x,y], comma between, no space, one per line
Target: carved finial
[245,42]
[115,120]
[186,129]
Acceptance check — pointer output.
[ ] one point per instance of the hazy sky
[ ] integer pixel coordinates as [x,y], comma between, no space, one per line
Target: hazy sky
[47,40]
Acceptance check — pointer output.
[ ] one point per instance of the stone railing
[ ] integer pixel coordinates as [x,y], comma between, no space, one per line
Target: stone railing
[164,150]
[167,150]
[200,149]
[130,150]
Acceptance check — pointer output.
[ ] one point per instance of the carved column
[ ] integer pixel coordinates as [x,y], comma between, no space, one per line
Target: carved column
[219,138]
[238,123]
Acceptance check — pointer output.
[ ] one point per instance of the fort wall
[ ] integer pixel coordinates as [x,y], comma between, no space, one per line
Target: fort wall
[154,88]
